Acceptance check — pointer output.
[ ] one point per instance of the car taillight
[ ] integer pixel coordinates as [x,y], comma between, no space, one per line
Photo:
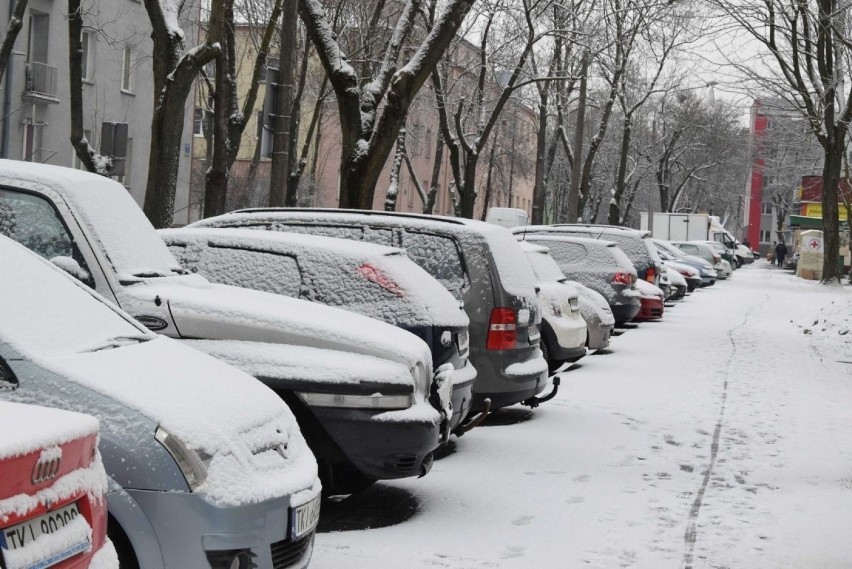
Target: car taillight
[651,274]
[502,330]
[622,278]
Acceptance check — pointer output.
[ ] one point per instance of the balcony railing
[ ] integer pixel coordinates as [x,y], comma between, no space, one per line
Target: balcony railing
[41,81]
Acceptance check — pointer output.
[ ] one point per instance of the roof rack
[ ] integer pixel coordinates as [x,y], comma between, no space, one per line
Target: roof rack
[423,216]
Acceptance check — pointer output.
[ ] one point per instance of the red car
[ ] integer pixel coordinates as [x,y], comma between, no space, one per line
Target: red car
[52,491]
[651,300]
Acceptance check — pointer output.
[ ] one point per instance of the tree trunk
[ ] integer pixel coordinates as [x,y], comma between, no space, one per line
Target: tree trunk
[488,174]
[294,167]
[174,77]
[392,194]
[15,25]
[831,226]
[615,213]
[93,161]
[467,199]
[572,213]
[540,160]
[436,173]
[281,145]
[216,178]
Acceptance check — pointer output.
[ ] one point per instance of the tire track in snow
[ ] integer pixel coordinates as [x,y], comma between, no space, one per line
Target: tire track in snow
[691,533]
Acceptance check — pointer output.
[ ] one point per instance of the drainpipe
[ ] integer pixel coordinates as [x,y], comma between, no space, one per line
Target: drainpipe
[7,102]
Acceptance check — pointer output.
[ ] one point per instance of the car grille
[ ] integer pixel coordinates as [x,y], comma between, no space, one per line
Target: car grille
[656,313]
[286,553]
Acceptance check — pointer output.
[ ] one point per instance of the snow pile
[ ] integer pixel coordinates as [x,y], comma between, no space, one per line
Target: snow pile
[831,329]
[647,289]
[45,427]
[105,557]
[372,280]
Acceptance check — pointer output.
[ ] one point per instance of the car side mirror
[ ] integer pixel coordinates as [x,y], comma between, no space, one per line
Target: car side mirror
[72,267]
[8,381]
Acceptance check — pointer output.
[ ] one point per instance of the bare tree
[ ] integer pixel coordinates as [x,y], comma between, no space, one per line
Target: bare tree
[175,70]
[371,110]
[809,49]
[88,156]
[16,22]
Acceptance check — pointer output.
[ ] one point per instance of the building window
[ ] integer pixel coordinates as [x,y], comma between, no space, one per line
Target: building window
[765,235]
[127,70]
[87,40]
[198,122]
[766,207]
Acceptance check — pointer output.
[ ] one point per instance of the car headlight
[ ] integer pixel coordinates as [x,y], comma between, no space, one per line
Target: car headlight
[373,401]
[555,309]
[192,463]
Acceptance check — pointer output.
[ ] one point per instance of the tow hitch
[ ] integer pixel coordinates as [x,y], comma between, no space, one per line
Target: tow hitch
[534,402]
[476,420]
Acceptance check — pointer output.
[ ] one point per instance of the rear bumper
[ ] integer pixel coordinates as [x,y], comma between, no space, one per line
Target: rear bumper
[508,376]
[383,445]
[569,354]
[599,336]
[652,309]
[625,312]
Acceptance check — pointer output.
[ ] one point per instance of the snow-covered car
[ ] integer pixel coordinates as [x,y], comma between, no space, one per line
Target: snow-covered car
[666,249]
[636,245]
[498,291]
[53,509]
[691,276]
[653,302]
[362,400]
[598,264]
[598,316]
[676,282]
[707,252]
[376,281]
[744,254]
[562,326]
[206,465]
[665,284]
[728,254]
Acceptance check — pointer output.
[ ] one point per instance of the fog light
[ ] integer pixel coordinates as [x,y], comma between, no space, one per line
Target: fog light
[231,559]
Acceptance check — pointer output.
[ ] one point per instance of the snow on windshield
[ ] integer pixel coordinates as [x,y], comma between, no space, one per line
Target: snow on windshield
[544,267]
[44,310]
[515,272]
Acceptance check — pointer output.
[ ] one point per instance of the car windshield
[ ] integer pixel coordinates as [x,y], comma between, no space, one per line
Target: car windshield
[48,314]
[544,267]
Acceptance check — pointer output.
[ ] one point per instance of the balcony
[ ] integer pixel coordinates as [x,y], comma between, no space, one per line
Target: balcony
[40,83]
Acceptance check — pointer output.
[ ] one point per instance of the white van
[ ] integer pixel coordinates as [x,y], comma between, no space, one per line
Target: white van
[507,216]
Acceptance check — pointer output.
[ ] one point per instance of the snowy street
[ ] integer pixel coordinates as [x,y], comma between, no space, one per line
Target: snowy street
[719,437]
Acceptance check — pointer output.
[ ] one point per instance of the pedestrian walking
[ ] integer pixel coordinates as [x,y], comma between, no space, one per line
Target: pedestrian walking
[780,253]
[770,255]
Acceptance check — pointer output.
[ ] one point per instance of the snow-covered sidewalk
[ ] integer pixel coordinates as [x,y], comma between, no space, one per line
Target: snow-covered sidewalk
[719,437]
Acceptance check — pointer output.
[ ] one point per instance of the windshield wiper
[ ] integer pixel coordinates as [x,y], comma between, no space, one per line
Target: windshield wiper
[119,341]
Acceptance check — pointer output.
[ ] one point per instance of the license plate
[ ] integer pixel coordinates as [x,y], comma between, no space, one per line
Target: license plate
[27,536]
[534,334]
[463,340]
[304,518]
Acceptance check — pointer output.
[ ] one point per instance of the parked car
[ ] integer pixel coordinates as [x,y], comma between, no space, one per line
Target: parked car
[637,245]
[707,251]
[705,268]
[562,327]
[677,283]
[207,466]
[498,290]
[665,284]
[653,302]
[726,253]
[598,316]
[91,227]
[691,275]
[598,264]
[53,488]
[376,281]
[744,254]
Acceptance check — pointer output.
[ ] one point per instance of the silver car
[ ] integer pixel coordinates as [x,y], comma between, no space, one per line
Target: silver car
[207,466]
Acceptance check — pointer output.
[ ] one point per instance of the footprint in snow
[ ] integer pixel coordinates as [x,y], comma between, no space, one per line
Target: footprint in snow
[513,551]
[523,520]
[575,500]
[582,478]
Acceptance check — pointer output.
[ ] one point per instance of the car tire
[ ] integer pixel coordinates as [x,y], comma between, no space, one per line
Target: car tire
[123,547]
[545,352]
[342,479]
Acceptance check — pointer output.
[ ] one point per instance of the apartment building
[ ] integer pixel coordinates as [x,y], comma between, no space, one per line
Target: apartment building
[118,95]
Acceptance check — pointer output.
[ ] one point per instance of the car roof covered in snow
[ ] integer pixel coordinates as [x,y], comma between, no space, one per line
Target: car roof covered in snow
[566,238]
[515,275]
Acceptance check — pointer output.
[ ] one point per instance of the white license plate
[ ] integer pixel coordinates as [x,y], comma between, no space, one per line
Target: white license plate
[534,334]
[304,518]
[27,535]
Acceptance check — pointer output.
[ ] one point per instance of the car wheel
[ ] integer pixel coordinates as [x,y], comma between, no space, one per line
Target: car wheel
[342,479]
[123,547]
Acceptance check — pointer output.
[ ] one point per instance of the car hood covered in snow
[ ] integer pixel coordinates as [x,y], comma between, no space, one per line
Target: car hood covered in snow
[203,310]
[257,451]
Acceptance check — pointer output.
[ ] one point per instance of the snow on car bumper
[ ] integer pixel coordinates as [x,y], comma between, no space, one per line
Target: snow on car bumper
[384,445]
[570,332]
[462,393]
[509,376]
[189,529]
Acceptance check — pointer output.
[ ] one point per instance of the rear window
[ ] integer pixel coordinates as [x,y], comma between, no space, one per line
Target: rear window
[544,267]
[438,255]
[258,270]
[378,236]
[633,247]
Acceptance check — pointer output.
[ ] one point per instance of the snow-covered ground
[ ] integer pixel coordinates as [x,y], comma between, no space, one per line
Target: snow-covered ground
[720,437]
